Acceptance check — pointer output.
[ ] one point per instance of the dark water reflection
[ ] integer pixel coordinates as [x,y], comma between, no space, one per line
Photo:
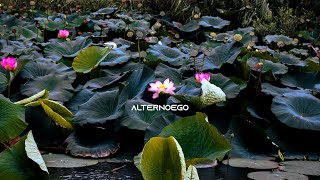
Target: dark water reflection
[129,171]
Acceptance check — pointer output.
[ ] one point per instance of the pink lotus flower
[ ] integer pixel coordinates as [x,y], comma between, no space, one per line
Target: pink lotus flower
[200,76]
[158,87]
[63,34]
[9,63]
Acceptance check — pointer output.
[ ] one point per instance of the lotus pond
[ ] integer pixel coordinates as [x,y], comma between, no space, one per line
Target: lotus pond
[124,94]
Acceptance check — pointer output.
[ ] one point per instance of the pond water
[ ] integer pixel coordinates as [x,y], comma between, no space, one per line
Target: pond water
[112,171]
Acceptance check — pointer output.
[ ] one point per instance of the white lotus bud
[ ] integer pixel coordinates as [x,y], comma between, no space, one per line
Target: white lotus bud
[211,93]
[111,45]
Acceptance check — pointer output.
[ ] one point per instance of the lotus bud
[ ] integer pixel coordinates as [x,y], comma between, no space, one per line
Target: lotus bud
[32,3]
[9,63]
[156,26]
[211,93]
[237,37]
[280,44]
[111,45]
[213,34]
[258,66]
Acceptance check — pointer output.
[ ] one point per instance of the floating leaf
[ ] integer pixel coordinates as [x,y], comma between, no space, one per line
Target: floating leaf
[89,58]
[193,132]
[12,122]
[311,168]
[297,110]
[107,10]
[64,161]
[215,22]
[251,163]
[162,158]
[276,175]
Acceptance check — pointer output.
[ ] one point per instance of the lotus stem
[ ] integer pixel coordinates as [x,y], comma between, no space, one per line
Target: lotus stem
[139,50]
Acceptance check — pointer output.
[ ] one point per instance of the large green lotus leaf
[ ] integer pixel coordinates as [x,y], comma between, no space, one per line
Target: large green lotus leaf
[59,86]
[16,164]
[163,72]
[162,158]
[311,168]
[137,82]
[12,119]
[95,142]
[226,53]
[155,128]
[127,67]
[246,135]
[57,112]
[165,53]
[275,175]
[139,24]
[215,22]
[276,91]
[251,163]
[244,32]
[298,110]
[200,141]
[11,21]
[312,65]
[100,108]
[275,68]
[189,27]
[230,88]
[192,173]
[278,38]
[37,69]
[303,52]
[101,82]
[302,80]
[33,152]
[57,50]
[104,11]
[41,95]
[289,59]
[53,25]
[75,20]
[136,117]
[65,161]
[79,98]
[116,56]
[28,32]
[89,59]
[3,82]
[190,94]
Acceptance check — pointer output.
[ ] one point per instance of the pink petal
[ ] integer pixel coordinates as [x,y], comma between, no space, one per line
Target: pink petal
[155,95]
[166,82]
